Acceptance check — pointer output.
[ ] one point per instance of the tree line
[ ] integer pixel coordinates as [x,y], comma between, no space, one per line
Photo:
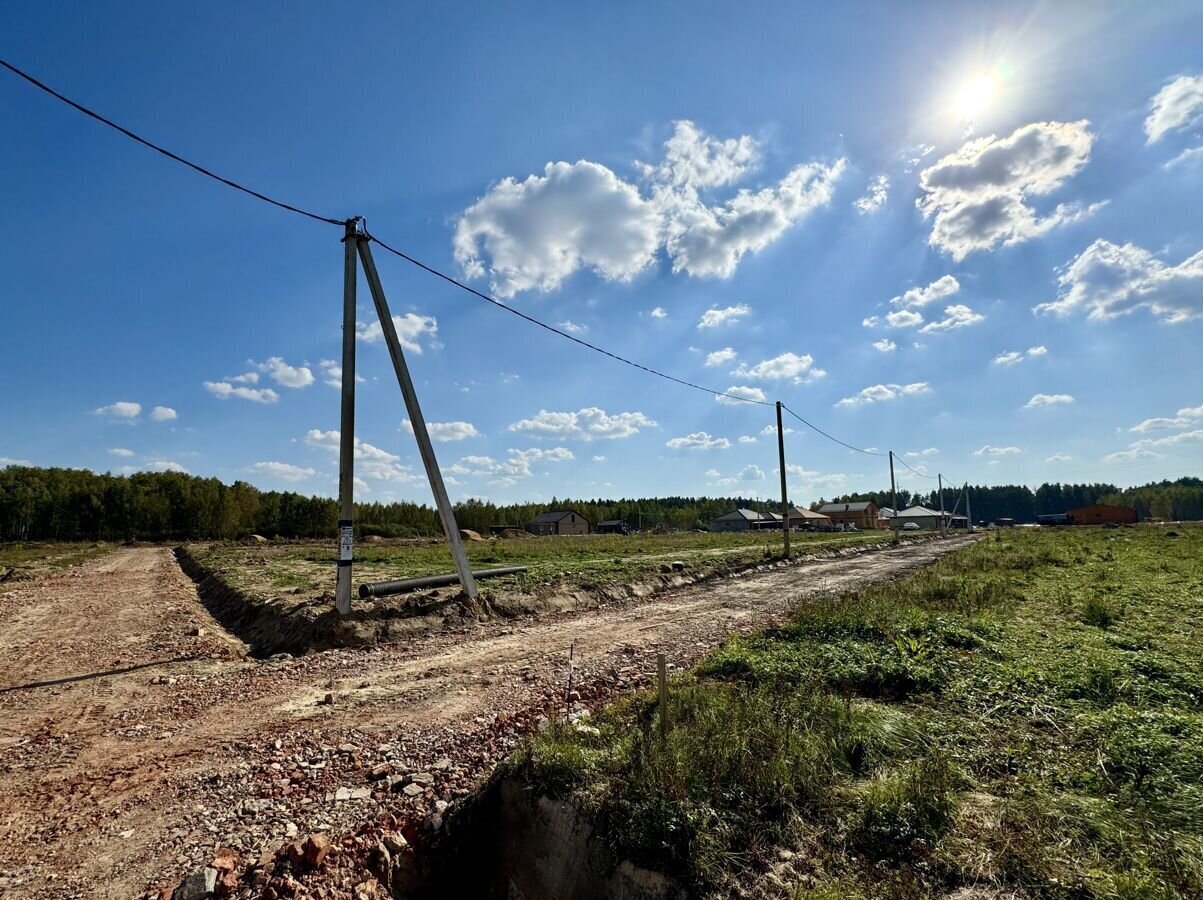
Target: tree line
[78,504]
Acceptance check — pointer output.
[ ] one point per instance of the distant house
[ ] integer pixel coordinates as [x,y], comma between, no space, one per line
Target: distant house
[805,518]
[862,515]
[768,521]
[1102,514]
[560,521]
[737,520]
[613,526]
[927,519]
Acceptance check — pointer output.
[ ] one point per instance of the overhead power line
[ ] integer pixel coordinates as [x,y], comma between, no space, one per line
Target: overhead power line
[828,436]
[913,469]
[173,156]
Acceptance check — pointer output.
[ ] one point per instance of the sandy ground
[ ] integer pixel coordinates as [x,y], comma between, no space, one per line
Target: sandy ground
[136,738]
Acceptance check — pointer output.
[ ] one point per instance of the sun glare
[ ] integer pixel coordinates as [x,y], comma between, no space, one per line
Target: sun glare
[975,96]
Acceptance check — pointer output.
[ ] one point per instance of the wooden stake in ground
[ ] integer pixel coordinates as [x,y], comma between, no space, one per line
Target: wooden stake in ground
[346,435]
[662,682]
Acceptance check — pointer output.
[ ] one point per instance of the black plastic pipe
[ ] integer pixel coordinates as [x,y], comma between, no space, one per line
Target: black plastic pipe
[385,588]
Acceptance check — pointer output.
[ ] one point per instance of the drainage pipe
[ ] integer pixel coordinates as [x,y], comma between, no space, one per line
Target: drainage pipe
[385,588]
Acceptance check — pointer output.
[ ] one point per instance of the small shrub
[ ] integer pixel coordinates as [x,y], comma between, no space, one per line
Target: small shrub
[905,813]
[1098,612]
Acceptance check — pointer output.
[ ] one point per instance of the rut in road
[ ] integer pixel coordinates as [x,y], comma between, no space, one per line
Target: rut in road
[140,769]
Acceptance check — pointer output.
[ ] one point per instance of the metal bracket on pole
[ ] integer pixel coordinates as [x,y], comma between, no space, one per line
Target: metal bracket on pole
[425,448]
[346,442]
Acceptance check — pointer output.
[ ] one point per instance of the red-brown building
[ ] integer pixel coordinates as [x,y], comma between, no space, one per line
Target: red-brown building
[863,515]
[1102,514]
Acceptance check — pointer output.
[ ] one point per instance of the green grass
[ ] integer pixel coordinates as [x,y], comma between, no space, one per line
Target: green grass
[583,562]
[1027,714]
[37,557]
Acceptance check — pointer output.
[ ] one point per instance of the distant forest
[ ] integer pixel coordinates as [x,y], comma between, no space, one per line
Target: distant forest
[77,504]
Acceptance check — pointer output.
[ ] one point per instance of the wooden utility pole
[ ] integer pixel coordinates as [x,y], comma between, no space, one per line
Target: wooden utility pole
[425,448]
[968,509]
[893,497]
[940,482]
[784,490]
[346,433]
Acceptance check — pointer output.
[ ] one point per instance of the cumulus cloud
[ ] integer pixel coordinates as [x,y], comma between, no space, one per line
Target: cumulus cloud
[720,357]
[285,375]
[1040,350]
[943,287]
[990,450]
[584,425]
[1189,155]
[282,471]
[714,317]
[223,390]
[956,316]
[332,373]
[165,465]
[1107,280]
[879,393]
[507,471]
[747,439]
[1039,400]
[875,196]
[913,454]
[122,410]
[121,451]
[699,440]
[751,473]
[885,345]
[412,329]
[533,234]
[445,431]
[1177,105]
[573,327]
[739,394]
[979,196]
[1010,358]
[1143,449]
[903,318]
[9,461]
[371,462]
[659,313]
[163,414]
[1185,418]
[1059,457]
[791,366]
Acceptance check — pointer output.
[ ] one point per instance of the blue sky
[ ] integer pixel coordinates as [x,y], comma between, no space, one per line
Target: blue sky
[968,233]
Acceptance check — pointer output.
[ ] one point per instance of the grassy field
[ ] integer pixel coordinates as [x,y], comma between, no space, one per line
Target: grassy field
[32,559]
[1024,716]
[565,562]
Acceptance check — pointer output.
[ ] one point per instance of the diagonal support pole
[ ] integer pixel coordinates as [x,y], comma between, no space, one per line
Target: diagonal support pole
[425,448]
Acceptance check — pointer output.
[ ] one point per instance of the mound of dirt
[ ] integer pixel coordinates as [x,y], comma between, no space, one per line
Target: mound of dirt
[467,534]
[514,534]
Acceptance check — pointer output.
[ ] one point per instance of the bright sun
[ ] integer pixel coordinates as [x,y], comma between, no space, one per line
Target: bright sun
[975,96]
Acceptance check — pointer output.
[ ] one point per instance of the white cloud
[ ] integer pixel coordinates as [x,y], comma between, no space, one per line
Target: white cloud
[942,287]
[1143,449]
[747,439]
[1010,358]
[720,357]
[1107,280]
[573,327]
[879,393]
[786,366]
[165,465]
[1038,351]
[714,317]
[584,425]
[223,390]
[771,430]
[913,454]
[283,374]
[121,451]
[599,459]
[411,329]
[370,461]
[1177,105]
[885,345]
[332,373]
[978,196]
[533,234]
[1183,419]
[1136,453]
[244,378]
[1039,400]
[956,316]
[1189,155]
[751,473]
[739,394]
[699,440]
[990,450]
[903,318]
[445,431]
[659,313]
[875,195]
[1059,457]
[163,414]
[122,409]
[871,321]
[507,471]
[9,461]
[283,471]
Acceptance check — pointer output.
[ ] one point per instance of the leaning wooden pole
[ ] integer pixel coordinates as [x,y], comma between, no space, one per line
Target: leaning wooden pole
[346,434]
[784,491]
[425,448]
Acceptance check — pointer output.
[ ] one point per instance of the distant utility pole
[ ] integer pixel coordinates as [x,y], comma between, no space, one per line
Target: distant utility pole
[346,434]
[940,482]
[968,507]
[893,497]
[784,493]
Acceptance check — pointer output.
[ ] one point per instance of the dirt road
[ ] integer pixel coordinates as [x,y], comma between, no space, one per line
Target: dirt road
[136,738]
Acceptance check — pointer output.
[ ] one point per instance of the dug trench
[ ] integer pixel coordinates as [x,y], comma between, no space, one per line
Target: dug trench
[269,625]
